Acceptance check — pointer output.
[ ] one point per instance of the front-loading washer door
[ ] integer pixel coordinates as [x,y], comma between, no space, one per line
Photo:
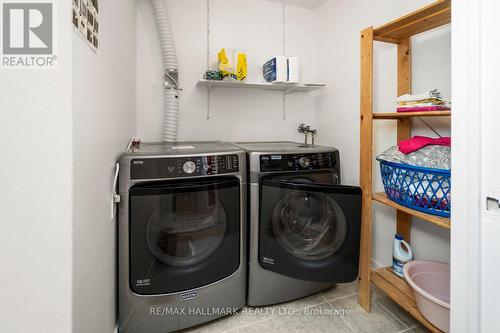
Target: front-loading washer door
[310,231]
[183,234]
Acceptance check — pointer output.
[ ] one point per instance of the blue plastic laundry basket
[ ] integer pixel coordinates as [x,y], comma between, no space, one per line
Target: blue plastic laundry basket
[424,189]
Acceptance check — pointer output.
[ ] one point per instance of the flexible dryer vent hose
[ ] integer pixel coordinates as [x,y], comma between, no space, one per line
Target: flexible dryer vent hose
[171,100]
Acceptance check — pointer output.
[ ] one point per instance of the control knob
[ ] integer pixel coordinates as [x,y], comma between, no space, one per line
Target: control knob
[304,162]
[189,167]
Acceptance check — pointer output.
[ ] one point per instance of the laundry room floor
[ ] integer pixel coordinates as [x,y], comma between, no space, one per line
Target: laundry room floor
[333,310]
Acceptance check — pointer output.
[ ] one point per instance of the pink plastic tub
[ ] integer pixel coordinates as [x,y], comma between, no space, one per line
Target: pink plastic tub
[430,281]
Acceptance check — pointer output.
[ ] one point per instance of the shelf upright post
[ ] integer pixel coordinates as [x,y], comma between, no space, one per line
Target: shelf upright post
[365,176]
[403,220]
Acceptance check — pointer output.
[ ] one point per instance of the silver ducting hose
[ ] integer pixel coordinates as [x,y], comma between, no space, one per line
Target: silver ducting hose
[171,98]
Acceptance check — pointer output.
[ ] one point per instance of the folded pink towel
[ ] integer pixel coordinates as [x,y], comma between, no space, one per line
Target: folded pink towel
[419,142]
[423,108]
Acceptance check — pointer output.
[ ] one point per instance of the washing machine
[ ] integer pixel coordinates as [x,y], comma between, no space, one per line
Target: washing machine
[304,226]
[182,235]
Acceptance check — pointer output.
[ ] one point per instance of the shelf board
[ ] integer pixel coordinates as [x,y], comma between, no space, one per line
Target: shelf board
[287,87]
[400,292]
[443,222]
[402,115]
[424,19]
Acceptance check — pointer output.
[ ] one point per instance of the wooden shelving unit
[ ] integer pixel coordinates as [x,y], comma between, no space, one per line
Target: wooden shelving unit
[397,32]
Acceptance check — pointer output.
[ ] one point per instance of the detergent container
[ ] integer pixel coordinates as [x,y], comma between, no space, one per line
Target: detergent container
[400,255]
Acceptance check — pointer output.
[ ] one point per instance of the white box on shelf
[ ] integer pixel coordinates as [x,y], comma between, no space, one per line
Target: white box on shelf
[293,70]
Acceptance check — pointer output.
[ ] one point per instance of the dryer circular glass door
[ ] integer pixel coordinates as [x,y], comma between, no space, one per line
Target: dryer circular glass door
[187,229]
[183,234]
[309,225]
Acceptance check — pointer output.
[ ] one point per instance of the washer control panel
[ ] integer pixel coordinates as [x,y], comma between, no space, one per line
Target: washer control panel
[155,168]
[297,162]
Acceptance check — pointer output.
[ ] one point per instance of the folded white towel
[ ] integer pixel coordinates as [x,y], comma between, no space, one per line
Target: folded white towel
[426,95]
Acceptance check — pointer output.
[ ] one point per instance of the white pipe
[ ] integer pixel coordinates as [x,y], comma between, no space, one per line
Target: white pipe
[171,115]
[171,98]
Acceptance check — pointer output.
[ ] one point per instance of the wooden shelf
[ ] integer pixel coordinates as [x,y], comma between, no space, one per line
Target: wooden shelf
[443,222]
[287,87]
[402,115]
[424,19]
[400,292]
[399,32]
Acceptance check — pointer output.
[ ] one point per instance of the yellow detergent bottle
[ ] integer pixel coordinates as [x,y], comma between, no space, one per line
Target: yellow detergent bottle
[233,64]
[241,67]
[224,65]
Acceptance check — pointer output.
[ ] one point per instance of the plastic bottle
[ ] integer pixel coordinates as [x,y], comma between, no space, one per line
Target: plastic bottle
[400,256]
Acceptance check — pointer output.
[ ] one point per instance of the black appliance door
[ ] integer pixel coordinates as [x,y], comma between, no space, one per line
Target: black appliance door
[183,234]
[310,231]
[317,177]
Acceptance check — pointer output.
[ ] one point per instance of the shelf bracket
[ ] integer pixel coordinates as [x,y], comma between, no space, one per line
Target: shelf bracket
[289,90]
[210,86]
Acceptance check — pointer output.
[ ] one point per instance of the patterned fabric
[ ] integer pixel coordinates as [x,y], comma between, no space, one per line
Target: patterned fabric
[436,157]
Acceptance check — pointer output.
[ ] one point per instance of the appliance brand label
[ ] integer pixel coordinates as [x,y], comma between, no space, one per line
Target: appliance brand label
[143,282]
[276,157]
[189,295]
[136,162]
[268,260]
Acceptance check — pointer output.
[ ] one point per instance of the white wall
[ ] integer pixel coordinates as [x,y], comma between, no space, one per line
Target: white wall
[236,114]
[35,200]
[338,105]
[103,122]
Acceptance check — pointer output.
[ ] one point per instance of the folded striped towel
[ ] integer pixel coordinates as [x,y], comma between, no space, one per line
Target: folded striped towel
[423,102]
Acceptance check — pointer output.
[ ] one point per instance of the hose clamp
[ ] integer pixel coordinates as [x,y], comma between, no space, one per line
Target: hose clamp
[171,78]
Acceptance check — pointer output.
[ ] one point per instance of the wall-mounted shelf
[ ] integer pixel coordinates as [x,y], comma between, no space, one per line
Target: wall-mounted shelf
[310,4]
[287,88]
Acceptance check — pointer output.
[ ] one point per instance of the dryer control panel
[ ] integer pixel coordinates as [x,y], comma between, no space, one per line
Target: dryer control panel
[297,162]
[156,168]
